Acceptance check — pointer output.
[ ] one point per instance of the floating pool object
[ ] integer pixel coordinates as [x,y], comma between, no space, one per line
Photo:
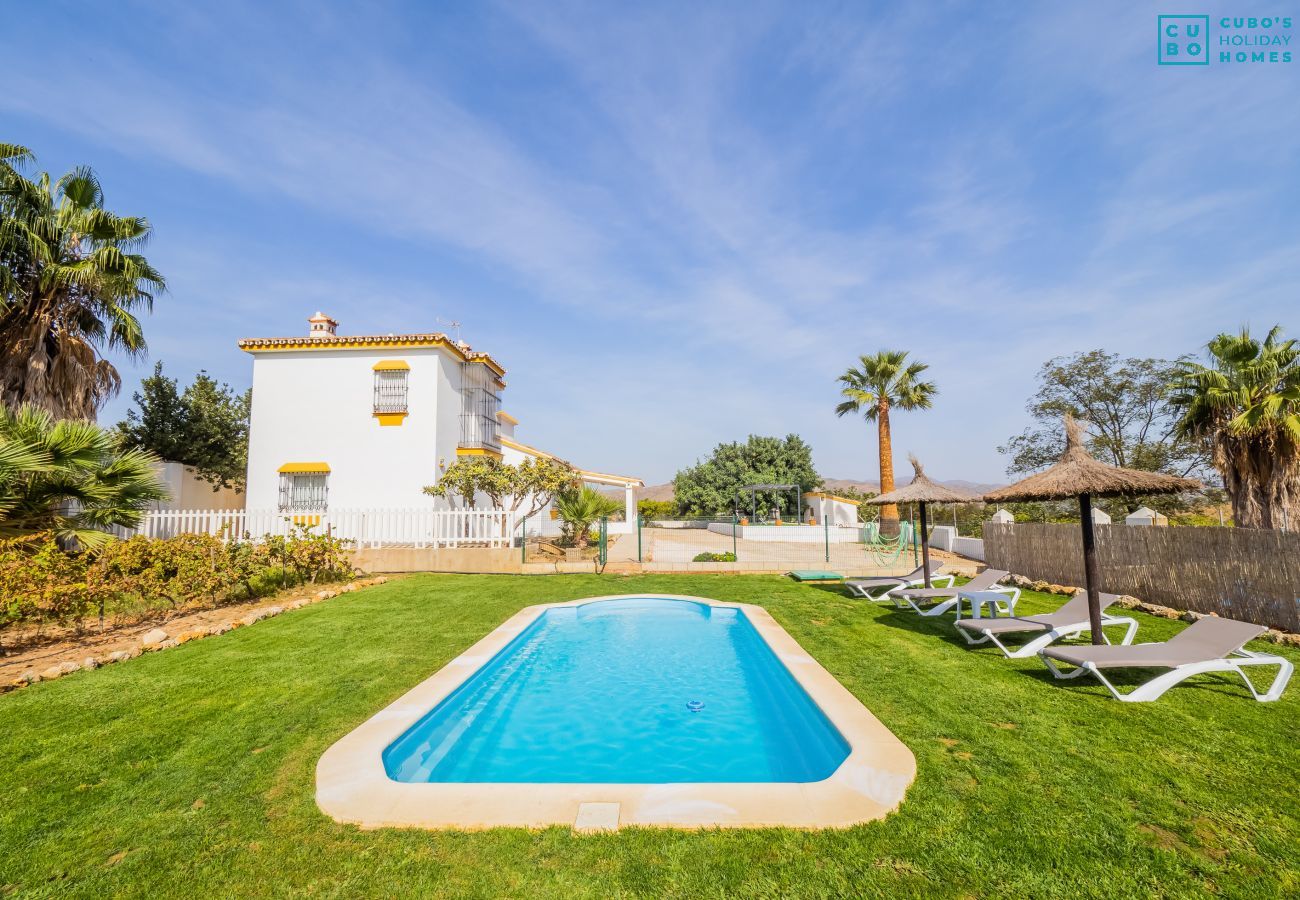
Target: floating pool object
[695,705]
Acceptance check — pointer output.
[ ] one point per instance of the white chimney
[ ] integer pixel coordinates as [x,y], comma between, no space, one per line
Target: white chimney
[322,326]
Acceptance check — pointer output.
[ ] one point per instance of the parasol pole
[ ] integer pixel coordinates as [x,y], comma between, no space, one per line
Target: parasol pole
[1090,577]
[925,546]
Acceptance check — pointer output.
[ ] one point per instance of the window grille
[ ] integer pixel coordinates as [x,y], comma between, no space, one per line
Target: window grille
[479,406]
[390,390]
[303,490]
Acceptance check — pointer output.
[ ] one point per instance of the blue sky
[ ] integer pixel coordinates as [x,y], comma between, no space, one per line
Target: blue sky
[676,224]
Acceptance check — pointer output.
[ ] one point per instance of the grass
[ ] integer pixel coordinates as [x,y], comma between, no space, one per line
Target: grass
[191,772]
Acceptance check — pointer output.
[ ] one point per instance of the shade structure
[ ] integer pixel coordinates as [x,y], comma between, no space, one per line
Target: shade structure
[1077,474]
[921,491]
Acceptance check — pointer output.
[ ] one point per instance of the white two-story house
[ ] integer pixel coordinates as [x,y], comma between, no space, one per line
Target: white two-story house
[366,421]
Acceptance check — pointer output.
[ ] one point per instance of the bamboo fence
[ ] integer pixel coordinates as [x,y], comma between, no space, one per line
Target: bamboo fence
[1238,573]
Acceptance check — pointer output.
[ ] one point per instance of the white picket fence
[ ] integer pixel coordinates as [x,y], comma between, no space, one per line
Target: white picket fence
[368,527]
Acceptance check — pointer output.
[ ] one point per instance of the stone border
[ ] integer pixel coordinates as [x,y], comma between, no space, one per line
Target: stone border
[352,785]
[158,639]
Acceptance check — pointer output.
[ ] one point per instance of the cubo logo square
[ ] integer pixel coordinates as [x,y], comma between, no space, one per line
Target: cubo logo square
[1183,40]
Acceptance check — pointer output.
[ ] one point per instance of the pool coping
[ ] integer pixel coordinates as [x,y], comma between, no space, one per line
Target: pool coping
[352,785]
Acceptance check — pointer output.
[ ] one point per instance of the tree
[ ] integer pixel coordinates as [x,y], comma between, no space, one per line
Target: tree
[204,426]
[579,506]
[533,482]
[70,286]
[1246,406]
[70,478]
[1126,401]
[711,487]
[883,382]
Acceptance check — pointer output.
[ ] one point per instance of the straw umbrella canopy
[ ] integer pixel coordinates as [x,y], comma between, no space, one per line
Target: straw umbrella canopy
[921,491]
[1077,474]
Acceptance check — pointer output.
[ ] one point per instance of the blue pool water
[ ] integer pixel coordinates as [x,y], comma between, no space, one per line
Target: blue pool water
[629,691]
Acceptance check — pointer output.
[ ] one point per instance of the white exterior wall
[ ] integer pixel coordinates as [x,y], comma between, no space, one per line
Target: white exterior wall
[317,406]
[189,491]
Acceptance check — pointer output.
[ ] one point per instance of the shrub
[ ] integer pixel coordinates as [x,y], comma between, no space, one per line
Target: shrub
[715,557]
[652,510]
[42,583]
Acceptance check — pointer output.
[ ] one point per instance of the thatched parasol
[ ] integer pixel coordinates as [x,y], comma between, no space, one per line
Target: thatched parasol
[1077,474]
[922,491]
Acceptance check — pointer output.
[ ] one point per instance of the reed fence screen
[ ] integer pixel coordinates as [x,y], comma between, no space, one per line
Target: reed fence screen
[1238,573]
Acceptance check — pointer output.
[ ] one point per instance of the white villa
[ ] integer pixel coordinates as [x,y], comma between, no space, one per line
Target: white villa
[365,422]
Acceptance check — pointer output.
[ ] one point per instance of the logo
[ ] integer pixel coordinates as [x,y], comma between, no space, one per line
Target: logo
[1186,40]
[1183,40]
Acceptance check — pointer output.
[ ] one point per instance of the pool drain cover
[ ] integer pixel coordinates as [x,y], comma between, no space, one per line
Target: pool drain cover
[695,705]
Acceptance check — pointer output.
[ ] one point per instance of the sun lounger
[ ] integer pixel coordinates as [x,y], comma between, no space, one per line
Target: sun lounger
[1070,619]
[878,589]
[1210,644]
[950,596]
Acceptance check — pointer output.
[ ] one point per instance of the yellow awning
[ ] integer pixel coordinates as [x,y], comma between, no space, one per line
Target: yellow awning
[305,467]
[386,365]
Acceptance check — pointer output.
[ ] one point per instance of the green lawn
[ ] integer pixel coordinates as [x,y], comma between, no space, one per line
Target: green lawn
[191,772]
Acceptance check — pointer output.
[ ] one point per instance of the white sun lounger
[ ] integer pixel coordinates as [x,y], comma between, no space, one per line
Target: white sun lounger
[1070,619]
[951,596]
[879,588]
[1210,644]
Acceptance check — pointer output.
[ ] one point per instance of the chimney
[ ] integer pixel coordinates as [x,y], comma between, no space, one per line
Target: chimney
[322,326]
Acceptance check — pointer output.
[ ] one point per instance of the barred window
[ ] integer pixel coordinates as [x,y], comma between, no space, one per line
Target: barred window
[303,490]
[390,390]
[479,406]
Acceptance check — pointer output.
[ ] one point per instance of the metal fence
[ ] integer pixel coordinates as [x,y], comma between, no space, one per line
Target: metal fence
[367,527]
[1240,573]
[687,543]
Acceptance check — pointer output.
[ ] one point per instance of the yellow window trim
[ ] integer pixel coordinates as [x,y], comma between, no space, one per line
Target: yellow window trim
[477,451]
[390,418]
[319,468]
[391,365]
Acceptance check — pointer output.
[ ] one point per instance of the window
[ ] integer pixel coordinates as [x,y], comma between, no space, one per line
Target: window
[303,490]
[479,406]
[390,388]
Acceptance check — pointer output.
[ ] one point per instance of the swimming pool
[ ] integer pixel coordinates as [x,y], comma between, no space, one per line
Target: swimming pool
[637,691]
[625,710]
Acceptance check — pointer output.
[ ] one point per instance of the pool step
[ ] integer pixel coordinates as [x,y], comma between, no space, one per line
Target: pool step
[596,817]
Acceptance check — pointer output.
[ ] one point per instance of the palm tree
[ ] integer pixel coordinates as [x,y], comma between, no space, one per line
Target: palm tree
[70,478]
[580,506]
[882,382]
[70,287]
[1246,405]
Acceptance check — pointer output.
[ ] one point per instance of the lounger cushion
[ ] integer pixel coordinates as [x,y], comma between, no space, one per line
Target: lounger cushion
[880,581]
[1072,612]
[1205,639]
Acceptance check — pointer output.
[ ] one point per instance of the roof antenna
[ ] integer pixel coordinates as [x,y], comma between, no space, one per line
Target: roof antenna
[452,324]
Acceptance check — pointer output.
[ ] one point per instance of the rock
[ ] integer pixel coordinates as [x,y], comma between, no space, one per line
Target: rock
[58,670]
[252,618]
[1285,638]
[90,663]
[1191,616]
[28,677]
[298,604]
[324,595]
[272,611]
[151,639]
[119,656]
[168,644]
[1155,609]
[192,634]
[1041,586]
[222,628]
[1127,602]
